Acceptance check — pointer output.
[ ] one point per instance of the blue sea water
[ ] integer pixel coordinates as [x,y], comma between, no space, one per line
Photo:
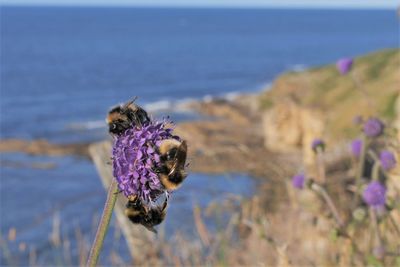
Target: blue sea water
[62,68]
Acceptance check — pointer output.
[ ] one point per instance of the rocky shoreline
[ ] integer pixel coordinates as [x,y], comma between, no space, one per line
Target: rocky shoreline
[42,147]
[229,140]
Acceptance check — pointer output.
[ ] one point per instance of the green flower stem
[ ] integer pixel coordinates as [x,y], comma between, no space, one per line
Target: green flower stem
[395,226]
[375,225]
[373,155]
[320,190]
[376,166]
[375,171]
[321,165]
[103,225]
[360,166]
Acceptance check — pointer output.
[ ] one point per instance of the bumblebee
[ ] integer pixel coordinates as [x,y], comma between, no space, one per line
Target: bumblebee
[148,217]
[121,117]
[173,162]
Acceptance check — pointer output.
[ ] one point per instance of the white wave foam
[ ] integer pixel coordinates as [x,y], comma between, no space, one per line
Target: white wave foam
[88,125]
[298,67]
[158,106]
[231,96]
[162,106]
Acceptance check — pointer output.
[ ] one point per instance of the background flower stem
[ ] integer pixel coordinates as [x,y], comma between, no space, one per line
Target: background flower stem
[321,166]
[360,169]
[375,225]
[320,190]
[103,225]
[375,171]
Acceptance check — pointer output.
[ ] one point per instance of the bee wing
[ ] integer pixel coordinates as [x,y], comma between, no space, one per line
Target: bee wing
[127,104]
[180,158]
[182,153]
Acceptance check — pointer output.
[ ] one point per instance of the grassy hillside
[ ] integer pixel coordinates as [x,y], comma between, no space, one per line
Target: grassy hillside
[339,96]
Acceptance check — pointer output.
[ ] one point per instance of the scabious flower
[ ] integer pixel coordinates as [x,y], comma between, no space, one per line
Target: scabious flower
[387,159]
[356,147]
[375,194]
[135,159]
[317,143]
[298,181]
[344,65]
[373,127]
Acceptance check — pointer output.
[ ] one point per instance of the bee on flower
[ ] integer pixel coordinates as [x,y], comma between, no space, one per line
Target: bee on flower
[148,163]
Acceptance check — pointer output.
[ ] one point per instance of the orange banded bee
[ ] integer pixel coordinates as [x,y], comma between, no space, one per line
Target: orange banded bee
[122,117]
[141,214]
[173,162]
[169,170]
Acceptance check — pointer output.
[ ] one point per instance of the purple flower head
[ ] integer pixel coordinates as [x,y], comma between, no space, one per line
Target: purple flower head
[317,143]
[356,147]
[135,158]
[344,65]
[387,159]
[375,194]
[373,127]
[298,181]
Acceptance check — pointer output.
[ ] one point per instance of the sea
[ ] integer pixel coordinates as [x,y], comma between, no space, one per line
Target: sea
[62,68]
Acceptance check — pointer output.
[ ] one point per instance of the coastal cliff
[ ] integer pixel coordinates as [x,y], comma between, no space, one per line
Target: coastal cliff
[320,102]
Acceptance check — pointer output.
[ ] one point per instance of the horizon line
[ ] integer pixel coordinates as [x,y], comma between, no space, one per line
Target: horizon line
[107,5]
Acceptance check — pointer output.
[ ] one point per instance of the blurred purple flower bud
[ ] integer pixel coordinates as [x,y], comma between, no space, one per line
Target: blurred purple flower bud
[356,147]
[318,143]
[298,181]
[344,65]
[375,194]
[373,127]
[387,159]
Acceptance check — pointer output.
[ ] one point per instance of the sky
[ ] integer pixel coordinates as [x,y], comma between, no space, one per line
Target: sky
[216,3]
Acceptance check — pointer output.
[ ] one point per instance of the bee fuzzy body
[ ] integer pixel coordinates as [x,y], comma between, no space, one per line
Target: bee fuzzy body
[148,217]
[122,117]
[173,159]
[170,171]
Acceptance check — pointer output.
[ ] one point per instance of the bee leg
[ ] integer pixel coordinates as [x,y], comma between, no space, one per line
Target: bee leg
[161,169]
[119,191]
[165,205]
[151,229]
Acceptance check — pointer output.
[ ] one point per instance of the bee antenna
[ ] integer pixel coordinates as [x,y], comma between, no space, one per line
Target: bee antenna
[130,102]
